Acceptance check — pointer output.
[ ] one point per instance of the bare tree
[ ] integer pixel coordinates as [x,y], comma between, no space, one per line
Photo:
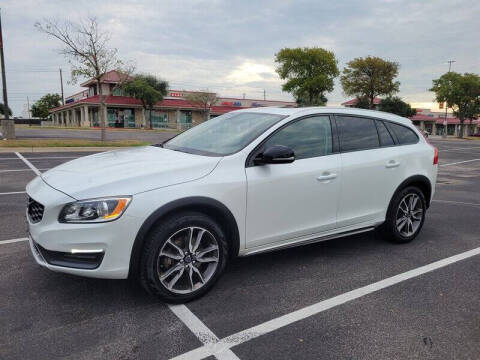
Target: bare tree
[86,49]
[204,99]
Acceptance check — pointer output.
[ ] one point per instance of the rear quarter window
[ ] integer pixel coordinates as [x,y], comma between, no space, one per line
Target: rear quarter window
[404,134]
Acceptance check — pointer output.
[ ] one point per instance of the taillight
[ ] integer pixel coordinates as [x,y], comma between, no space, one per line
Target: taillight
[435,157]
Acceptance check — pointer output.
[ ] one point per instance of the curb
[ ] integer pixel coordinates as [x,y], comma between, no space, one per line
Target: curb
[62,149]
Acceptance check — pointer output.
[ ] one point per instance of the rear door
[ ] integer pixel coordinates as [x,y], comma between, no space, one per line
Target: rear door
[369,167]
[286,201]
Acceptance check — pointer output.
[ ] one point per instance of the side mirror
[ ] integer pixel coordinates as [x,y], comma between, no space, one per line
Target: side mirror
[276,154]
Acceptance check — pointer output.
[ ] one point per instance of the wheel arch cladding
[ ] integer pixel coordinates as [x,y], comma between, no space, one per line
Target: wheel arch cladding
[205,205]
[420,181]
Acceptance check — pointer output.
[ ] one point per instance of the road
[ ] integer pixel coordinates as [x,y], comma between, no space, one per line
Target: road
[358,297]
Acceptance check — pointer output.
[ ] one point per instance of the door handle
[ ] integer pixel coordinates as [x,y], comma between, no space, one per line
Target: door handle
[326,176]
[392,164]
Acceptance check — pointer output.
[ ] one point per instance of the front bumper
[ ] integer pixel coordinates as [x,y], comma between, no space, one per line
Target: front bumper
[100,250]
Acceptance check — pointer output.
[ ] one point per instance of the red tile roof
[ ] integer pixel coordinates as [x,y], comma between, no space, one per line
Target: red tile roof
[166,103]
[376,101]
[440,119]
[110,77]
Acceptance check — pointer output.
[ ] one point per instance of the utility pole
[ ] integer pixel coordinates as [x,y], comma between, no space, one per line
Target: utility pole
[61,86]
[8,126]
[264,95]
[445,124]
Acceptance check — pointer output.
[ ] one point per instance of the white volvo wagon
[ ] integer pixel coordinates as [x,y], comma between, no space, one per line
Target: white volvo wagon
[246,182]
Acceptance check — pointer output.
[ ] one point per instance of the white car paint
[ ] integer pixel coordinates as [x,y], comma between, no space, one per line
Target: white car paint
[273,205]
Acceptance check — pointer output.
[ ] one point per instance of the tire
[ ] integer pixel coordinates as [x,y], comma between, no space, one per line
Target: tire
[167,258]
[403,224]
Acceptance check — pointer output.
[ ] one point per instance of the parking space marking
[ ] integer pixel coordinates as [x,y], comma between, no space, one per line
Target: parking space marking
[459,162]
[201,331]
[194,324]
[228,342]
[3,242]
[13,193]
[455,202]
[29,164]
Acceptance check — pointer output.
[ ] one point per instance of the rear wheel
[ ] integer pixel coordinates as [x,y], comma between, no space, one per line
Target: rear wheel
[405,216]
[183,257]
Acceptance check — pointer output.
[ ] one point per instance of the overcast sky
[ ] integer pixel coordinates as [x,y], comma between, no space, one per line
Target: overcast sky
[229,46]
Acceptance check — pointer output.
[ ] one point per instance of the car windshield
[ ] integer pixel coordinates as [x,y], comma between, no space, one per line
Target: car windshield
[223,135]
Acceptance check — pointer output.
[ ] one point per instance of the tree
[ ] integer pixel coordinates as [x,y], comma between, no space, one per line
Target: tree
[370,77]
[461,93]
[309,73]
[86,48]
[362,103]
[2,109]
[395,105]
[148,89]
[47,102]
[204,99]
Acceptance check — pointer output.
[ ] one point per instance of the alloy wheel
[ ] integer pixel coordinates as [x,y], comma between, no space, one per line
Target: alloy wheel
[188,260]
[410,214]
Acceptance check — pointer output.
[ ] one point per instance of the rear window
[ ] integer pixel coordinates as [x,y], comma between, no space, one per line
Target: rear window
[404,135]
[357,133]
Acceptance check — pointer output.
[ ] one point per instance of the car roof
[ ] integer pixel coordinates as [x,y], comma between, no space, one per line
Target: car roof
[300,111]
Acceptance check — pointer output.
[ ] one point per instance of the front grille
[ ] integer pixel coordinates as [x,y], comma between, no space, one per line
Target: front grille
[35,210]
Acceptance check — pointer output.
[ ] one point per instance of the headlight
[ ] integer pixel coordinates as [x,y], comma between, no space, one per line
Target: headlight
[94,210]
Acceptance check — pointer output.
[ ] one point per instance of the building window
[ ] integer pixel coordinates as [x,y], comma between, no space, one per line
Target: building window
[185,117]
[159,119]
[117,91]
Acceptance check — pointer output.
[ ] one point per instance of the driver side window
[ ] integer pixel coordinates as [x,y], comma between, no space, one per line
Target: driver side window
[309,137]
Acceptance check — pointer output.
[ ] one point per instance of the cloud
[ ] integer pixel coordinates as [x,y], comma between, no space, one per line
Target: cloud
[229,47]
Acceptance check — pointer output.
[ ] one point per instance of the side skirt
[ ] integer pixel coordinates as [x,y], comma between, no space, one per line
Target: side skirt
[305,241]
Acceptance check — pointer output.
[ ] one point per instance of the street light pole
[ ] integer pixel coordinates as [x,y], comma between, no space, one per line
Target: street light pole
[8,126]
[445,125]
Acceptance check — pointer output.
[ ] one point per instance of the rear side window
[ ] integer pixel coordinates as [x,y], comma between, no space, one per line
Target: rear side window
[357,133]
[404,135]
[310,137]
[385,137]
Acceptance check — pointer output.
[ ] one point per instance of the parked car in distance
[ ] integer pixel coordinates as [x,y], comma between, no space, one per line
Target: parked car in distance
[250,181]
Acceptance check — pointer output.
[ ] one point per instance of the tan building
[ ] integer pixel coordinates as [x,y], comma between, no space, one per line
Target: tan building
[174,112]
[433,123]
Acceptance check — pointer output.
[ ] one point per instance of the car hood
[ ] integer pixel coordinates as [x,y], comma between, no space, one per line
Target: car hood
[127,172]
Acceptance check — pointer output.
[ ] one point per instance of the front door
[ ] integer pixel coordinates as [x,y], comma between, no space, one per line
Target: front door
[287,201]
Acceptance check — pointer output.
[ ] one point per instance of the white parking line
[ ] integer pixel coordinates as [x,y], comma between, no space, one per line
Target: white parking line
[194,324]
[2,242]
[13,192]
[228,342]
[455,202]
[201,331]
[459,162]
[29,164]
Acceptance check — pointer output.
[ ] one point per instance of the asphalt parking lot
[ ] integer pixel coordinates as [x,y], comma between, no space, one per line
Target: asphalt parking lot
[358,297]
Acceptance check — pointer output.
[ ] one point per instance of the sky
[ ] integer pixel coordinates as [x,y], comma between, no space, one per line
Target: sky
[229,46]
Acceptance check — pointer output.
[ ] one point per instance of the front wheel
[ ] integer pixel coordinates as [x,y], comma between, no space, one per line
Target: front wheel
[405,216]
[183,257]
